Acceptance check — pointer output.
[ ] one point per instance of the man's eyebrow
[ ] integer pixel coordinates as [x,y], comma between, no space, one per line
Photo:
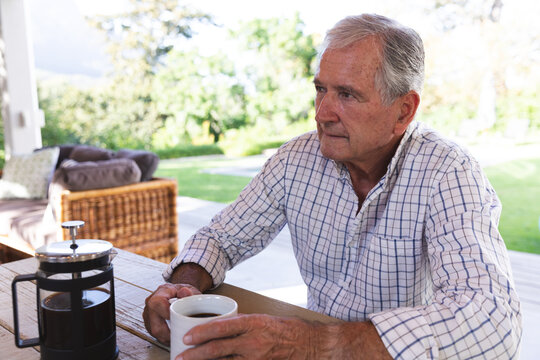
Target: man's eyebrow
[342,88]
[350,90]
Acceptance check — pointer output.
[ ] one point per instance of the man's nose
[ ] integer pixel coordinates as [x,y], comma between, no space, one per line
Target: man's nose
[325,110]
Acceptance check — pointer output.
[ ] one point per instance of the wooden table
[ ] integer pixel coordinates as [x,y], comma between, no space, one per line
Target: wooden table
[135,278]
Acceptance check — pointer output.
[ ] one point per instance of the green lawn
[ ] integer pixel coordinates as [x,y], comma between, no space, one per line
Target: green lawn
[193,182]
[517,183]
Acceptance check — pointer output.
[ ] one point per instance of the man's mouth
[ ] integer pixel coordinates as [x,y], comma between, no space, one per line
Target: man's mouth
[331,132]
[334,135]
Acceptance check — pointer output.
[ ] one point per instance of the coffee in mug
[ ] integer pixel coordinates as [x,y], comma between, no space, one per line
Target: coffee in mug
[196,310]
[203,315]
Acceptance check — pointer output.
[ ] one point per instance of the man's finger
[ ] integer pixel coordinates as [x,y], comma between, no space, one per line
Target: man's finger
[216,349]
[221,328]
[157,327]
[158,302]
[183,290]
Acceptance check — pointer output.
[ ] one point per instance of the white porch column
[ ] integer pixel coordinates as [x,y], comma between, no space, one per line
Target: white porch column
[20,110]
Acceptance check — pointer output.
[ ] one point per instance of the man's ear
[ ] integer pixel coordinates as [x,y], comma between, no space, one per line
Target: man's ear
[408,104]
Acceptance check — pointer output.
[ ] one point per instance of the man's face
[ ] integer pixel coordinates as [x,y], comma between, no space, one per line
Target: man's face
[352,123]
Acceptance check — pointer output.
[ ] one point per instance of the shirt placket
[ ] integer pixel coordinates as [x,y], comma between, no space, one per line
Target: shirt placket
[351,253]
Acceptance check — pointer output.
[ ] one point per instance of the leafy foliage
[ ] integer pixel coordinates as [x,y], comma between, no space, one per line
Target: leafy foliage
[141,37]
[453,13]
[139,40]
[180,151]
[281,71]
[198,93]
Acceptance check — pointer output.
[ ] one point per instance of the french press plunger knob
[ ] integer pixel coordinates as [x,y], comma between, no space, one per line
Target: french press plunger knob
[73,226]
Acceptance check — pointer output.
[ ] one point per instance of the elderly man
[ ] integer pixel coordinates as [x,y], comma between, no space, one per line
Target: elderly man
[394,228]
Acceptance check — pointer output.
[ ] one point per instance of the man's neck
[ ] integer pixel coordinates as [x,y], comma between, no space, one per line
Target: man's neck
[365,175]
[362,181]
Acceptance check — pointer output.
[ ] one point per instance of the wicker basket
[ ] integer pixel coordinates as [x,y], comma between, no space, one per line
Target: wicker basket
[140,218]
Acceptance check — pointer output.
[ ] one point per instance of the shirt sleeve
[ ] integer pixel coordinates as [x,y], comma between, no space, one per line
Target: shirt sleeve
[475,311]
[242,229]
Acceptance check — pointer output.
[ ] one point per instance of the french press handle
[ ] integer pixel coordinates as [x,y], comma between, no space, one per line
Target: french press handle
[18,342]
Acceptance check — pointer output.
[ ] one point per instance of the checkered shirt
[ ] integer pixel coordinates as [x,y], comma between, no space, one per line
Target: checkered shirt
[422,259]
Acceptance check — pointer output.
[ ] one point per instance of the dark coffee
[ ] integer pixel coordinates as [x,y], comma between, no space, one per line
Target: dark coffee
[203,315]
[57,330]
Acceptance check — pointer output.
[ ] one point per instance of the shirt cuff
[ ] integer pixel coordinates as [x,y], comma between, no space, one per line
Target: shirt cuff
[201,252]
[405,333]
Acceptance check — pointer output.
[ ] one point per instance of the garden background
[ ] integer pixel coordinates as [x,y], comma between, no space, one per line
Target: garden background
[253,90]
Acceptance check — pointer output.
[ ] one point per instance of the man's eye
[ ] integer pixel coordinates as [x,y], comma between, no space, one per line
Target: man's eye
[346,95]
[319,88]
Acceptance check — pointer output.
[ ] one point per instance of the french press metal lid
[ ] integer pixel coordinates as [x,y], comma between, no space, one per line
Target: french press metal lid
[68,256]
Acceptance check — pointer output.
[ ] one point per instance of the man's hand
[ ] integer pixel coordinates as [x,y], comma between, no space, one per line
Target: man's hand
[188,279]
[157,308]
[270,337]
[251,337]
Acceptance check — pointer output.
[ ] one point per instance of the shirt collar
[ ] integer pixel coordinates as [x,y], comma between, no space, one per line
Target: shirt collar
[400,151]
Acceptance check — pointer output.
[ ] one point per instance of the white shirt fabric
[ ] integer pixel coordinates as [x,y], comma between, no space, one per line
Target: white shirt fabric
[422,259]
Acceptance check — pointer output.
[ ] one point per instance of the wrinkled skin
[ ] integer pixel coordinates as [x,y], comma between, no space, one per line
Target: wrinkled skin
[251,337]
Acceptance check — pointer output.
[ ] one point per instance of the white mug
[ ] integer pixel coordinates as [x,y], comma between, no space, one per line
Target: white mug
[194,310]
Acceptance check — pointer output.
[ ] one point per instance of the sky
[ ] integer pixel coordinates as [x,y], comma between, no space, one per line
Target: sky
[65,44]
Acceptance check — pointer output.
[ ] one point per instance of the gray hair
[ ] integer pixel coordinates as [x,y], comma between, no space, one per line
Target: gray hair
[402,57]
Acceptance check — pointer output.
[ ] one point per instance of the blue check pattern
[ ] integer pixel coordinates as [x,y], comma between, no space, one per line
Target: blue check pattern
[422,258]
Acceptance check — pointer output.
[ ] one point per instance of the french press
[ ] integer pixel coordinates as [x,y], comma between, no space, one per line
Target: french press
[75,299]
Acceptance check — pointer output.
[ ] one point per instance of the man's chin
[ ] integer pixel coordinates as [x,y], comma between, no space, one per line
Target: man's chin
[332,153]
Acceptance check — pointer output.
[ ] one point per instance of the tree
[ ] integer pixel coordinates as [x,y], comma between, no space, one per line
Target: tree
[75,115]
[269,80]
[453,13]
[280,70]
[198,92]
[139,41]
[473,63]
[141,37]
